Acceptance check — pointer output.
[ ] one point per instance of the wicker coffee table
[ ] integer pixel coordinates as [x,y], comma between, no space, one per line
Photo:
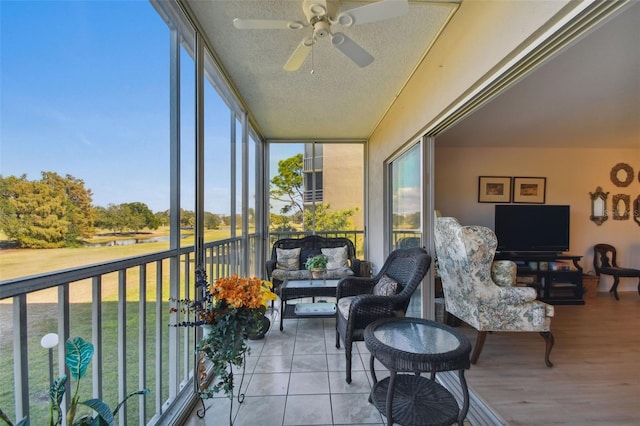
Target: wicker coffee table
[414,345]
[298,289]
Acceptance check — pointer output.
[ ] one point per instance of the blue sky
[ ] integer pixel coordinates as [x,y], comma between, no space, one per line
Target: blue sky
[84,92]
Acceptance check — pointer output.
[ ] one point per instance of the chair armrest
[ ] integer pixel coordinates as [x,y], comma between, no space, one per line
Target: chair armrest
[271,265]
[354,286]
[355,266]
[366,308]
[517,294]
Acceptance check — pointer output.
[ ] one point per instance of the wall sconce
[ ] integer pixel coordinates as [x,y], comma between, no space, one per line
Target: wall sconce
[599,206]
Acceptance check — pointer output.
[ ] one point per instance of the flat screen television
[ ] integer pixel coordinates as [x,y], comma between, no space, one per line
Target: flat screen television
[532,228]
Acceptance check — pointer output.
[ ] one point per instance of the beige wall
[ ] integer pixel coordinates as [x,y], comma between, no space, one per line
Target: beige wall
[480,35]
[571,174]
[343,178]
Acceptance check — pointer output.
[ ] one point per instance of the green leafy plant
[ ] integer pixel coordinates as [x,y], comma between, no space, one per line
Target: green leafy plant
[317,262]
[78,354]
[230,310]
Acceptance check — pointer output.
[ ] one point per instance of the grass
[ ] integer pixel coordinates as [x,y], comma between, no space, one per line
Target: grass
[42,319]
[15,263]
[38,357]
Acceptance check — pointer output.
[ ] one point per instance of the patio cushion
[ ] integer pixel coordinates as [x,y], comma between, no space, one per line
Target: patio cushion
[387,286]
[289,260]
[300,274]
[337,257]
[343,305]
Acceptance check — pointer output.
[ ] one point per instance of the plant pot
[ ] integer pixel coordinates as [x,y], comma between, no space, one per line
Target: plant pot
[318,273]
[266,323]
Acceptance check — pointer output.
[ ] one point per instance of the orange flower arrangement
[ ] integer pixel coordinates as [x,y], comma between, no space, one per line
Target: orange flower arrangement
[231,309]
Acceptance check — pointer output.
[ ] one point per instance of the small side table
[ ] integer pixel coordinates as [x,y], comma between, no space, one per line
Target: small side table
[414,345]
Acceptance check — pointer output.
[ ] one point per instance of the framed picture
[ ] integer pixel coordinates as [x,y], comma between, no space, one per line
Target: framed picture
[494,189]
[529,189]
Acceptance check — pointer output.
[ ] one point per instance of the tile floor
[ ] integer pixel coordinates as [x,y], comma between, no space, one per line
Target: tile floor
[297,377]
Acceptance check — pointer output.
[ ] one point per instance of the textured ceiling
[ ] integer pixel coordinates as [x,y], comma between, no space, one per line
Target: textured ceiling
[338,100]
[587,96]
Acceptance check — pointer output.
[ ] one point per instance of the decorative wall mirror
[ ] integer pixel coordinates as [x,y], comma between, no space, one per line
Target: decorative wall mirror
[636,210]
[621,174]
[599,206]
[621,206]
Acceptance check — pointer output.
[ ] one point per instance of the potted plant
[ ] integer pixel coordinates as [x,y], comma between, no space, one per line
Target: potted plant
[317,264]
[230,310]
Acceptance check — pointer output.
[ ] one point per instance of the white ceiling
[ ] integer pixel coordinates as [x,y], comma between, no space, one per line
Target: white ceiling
[591,88]
[587,96]
[339,100]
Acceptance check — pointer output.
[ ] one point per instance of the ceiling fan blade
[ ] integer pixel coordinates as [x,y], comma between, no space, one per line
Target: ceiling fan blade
[373,12]
[299,55]
[266,24]
[352,50]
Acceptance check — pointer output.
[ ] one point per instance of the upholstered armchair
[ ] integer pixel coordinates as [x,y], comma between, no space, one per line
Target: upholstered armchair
[362,301]
[481,292]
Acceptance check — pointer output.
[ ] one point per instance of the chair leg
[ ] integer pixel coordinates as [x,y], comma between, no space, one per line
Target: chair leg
[347,353]
[638,285]
[614,287]
[548,338]
[337,338]
[482,335]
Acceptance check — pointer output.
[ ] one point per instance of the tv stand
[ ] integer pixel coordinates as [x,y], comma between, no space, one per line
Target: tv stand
[556,277]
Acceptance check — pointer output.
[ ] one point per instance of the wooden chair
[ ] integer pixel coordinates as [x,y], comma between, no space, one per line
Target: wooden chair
[604,262]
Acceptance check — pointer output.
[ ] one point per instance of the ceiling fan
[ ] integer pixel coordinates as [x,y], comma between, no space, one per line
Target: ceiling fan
[321,15]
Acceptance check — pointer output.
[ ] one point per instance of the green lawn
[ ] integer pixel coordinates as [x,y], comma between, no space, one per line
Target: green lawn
[80,326]
[42,319]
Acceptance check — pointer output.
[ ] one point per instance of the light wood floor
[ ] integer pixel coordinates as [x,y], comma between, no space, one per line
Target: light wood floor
[595,379]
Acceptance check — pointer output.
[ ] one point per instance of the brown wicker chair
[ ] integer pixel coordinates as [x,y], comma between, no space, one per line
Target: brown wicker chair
[604,262]
[407,267]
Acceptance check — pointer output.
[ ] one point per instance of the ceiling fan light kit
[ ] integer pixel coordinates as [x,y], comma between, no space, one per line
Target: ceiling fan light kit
[321,15]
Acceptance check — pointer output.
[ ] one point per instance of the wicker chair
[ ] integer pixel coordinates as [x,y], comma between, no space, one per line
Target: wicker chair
[360,307]
[605,263]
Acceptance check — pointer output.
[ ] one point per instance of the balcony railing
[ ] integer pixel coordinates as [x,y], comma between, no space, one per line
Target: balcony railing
[123,310]
[313,195]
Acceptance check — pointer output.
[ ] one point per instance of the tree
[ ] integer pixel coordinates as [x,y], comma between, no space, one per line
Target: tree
[327,220]
[280,223]
[187,219]
[33,213]
[77,201]
[138,216]
[211,221]
[163,218]
[286,186]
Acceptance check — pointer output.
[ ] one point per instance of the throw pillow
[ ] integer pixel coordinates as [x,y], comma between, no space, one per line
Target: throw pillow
[337,257]
[387,286]
[289,260]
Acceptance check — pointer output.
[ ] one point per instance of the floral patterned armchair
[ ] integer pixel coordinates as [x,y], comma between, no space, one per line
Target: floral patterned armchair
[480,292]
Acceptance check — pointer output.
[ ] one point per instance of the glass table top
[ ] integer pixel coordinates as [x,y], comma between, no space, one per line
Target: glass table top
[307,283]
[415,337]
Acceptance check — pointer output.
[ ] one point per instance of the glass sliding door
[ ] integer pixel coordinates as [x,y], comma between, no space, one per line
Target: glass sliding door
[406,207]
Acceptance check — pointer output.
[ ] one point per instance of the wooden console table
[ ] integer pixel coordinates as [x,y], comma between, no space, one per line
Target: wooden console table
[557,278]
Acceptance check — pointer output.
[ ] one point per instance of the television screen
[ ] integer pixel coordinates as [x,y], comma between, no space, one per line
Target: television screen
[532,228]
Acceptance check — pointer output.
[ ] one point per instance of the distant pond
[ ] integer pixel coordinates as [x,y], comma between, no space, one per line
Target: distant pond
[130,241]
